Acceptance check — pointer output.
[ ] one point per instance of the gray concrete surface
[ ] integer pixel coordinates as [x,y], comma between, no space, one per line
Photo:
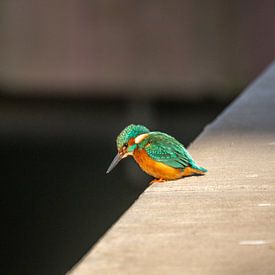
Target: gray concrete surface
[221,223]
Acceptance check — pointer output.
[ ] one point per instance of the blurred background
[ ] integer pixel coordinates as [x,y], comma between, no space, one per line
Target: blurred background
[73,74]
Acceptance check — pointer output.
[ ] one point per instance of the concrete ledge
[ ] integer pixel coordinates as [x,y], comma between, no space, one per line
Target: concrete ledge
[221,223]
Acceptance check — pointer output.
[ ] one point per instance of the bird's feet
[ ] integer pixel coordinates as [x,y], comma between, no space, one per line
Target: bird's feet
[156,180]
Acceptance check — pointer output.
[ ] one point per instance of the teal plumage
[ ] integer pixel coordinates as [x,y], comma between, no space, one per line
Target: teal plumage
[166,149]
[129,132]
[158,154]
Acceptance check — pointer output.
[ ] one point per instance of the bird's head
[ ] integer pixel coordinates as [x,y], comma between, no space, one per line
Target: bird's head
[127,142]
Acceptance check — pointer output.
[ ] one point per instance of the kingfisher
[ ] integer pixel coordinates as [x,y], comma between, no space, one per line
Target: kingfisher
[158,154]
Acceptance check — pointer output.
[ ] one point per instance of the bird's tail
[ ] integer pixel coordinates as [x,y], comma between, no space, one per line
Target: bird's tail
[198,169]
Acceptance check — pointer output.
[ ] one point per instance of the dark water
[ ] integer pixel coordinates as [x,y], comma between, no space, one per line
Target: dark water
[55,197]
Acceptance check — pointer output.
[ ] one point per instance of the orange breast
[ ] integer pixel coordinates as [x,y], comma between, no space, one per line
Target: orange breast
[156,169]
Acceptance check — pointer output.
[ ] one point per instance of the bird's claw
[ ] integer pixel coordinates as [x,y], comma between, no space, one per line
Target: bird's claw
[156,180]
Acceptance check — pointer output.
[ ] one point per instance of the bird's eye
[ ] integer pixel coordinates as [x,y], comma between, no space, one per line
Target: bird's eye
[125,145]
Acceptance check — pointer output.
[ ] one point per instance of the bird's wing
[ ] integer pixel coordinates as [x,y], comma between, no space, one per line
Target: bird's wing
[166,149]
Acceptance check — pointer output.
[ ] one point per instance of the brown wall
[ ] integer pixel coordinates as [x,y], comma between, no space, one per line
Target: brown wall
[81,45]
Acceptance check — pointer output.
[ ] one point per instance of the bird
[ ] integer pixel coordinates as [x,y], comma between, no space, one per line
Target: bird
[158,154]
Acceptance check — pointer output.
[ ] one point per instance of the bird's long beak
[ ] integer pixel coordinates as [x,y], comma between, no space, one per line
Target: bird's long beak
[114,163]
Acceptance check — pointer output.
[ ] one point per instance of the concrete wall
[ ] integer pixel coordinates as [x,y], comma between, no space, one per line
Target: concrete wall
[219,223]
[128,45]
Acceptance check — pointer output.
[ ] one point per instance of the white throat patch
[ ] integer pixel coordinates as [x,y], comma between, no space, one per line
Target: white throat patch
[127,154]
[140,138]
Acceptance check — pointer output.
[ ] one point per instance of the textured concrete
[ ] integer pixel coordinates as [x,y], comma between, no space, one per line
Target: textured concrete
[221,223]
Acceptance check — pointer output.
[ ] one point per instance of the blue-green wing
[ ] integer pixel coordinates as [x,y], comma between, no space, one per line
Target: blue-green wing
[166,149]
